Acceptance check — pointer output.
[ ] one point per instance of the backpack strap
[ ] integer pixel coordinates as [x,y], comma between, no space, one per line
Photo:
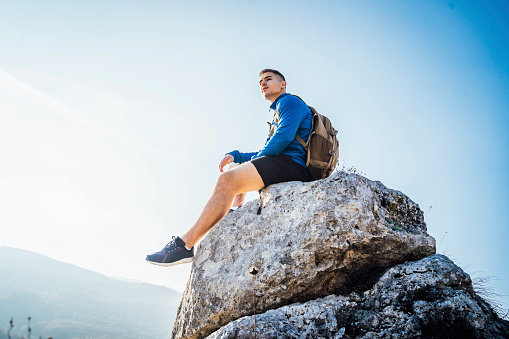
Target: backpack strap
[275,118]
[299,139]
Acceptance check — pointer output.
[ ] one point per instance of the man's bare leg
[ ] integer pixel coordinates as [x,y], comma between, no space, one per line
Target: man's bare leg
[244,178]
[238,200]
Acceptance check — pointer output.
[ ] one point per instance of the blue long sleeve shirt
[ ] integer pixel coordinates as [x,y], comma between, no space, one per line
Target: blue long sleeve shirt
[294,118]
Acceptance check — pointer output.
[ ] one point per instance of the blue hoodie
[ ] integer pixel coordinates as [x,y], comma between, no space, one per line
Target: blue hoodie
[294,118]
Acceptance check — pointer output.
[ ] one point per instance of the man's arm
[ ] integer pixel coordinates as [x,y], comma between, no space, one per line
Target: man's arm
[292,111]
[291,114]
[240,158]
[236,157]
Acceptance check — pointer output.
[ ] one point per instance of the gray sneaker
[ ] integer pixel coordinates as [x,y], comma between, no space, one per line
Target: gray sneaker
[173,253]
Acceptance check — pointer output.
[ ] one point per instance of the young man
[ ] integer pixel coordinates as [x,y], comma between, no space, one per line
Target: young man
[281,159]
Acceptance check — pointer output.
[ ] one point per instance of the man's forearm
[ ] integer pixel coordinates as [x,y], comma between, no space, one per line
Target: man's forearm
[240,157]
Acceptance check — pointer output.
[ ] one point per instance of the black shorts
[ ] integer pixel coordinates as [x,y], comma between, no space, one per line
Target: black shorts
[280,168]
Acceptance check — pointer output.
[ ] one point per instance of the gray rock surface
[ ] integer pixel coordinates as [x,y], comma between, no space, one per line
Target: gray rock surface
[429,298]
[312,319]
[308,240]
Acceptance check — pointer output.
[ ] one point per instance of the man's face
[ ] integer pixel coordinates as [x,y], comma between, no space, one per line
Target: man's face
[271,86]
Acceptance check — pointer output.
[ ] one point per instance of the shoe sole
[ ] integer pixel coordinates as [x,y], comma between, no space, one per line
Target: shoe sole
[164,264]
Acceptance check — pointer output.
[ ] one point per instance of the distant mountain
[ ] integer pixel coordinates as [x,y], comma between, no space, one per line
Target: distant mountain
[66,301]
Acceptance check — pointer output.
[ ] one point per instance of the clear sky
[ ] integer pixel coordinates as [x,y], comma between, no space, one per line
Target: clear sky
[114,116]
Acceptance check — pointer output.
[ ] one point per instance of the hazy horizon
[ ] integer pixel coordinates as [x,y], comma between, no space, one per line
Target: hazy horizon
[67,301]
[96,167]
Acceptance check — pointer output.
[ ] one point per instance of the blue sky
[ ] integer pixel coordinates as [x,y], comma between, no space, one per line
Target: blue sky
[97,171]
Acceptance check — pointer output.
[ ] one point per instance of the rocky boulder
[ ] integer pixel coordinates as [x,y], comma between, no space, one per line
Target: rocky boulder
[429,298]
[308,241]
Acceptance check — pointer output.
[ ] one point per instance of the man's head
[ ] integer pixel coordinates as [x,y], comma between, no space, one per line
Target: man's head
[272,84]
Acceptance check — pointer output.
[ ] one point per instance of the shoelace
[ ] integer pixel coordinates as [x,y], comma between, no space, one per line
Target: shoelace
[172,245]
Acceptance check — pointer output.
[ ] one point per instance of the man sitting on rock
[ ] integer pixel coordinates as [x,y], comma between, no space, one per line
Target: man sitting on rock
[282,159]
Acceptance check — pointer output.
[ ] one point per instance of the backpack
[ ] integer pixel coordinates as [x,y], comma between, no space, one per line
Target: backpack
[322,146]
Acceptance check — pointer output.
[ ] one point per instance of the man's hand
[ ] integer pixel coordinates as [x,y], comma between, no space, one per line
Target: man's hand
[228,159]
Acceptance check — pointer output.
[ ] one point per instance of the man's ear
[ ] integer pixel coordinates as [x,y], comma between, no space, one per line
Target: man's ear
[283,84]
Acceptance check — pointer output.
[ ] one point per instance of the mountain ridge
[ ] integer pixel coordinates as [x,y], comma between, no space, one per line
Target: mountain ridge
[66,300]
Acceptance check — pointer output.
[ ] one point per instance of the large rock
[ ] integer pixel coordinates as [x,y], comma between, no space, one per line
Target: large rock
[429,298]
[308,240]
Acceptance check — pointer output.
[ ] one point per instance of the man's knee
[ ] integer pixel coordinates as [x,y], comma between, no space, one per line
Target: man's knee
[241,179]
[226,181]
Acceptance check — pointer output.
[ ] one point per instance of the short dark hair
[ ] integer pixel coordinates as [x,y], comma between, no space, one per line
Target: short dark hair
[267,70]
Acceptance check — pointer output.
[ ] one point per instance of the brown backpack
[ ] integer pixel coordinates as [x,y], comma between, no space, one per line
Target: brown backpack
[322,146]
